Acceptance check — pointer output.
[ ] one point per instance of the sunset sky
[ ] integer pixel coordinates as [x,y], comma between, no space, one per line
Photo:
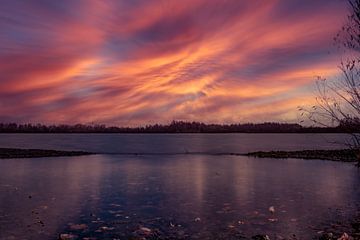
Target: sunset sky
[140,62]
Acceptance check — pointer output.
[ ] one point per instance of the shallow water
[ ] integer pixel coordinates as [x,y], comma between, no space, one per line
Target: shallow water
[181,196]
[174,143]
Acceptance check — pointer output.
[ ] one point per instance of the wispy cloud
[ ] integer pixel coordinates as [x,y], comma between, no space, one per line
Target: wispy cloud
[137,62]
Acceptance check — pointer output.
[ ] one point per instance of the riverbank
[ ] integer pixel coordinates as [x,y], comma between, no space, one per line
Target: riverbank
[342,155]
[36,153]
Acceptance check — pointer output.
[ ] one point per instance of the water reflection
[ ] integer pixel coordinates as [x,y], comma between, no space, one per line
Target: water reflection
[183,196]
[39,196]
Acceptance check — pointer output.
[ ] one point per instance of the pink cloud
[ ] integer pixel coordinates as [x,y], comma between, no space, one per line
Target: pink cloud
[134,62]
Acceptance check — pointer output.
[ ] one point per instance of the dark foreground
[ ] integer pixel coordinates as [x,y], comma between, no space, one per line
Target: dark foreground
[35,153]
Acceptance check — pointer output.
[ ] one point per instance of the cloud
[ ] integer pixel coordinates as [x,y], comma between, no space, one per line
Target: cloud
[135,62]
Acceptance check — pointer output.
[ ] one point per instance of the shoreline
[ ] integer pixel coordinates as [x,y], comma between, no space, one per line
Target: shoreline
[6,153]
[341,155]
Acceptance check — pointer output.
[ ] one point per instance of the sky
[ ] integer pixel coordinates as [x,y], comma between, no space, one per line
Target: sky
[137,62]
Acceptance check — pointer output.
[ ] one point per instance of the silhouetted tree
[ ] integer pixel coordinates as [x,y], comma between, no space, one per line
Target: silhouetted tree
[338,101]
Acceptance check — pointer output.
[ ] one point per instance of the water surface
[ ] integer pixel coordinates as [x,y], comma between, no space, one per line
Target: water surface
[179,196]
[174,143]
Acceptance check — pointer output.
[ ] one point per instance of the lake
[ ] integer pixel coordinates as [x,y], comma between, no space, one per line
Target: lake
[174,143]
[174,188]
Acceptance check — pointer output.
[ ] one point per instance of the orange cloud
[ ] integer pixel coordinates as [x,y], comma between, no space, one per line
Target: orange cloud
[138,62]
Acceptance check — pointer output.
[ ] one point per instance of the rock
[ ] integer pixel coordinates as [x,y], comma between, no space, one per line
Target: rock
[260,237]
[327,236]
[272,209]
[105,229]
[78,226]
[145,230]
[66,236]
[41,223]
[345,236]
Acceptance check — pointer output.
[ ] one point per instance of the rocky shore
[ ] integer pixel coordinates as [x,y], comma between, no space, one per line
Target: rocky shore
[36,153]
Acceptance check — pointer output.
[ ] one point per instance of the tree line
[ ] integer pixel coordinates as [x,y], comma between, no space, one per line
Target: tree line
[181,127]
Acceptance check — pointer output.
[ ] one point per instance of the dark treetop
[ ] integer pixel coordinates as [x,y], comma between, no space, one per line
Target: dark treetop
[179,127]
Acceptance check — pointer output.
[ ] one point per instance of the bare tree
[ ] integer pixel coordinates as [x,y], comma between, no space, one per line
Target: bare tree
[338,101]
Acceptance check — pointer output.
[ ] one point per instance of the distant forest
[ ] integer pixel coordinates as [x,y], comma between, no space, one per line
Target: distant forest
[181,127]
